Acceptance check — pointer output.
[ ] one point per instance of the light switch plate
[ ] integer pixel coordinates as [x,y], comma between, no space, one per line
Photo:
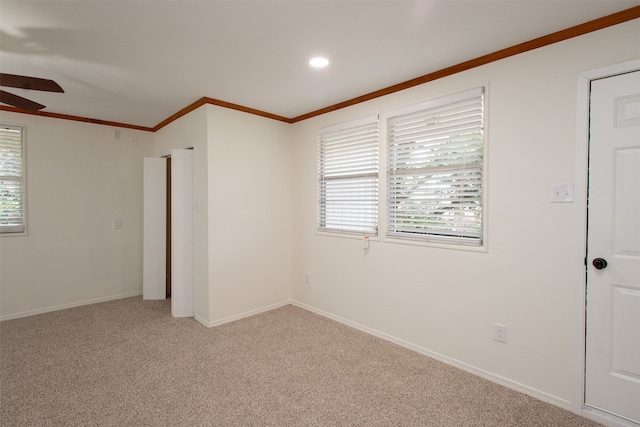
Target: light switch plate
[562,193]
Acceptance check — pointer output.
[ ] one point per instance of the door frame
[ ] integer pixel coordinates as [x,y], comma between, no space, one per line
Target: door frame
[578,311]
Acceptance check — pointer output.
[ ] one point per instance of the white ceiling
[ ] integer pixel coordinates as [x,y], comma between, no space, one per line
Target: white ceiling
[139,62]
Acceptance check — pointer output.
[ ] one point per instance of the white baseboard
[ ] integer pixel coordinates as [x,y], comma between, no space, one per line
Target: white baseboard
[69,305]
[242,315]
[540,395]
[606,418]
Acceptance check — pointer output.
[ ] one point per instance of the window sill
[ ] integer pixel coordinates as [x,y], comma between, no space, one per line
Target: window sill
[22,234]
[347,235]
[435,244]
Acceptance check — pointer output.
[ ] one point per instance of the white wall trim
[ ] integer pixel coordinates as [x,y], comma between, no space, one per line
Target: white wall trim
[538,394]
[69,305]
[605,418]
[241,315]
[580,242]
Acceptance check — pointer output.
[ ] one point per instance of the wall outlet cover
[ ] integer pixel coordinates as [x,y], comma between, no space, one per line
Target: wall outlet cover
[499,332]
[562,193]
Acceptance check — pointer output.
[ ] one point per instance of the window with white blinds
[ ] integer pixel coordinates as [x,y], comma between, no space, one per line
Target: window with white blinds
[435,170]
[348,177]
[12,188]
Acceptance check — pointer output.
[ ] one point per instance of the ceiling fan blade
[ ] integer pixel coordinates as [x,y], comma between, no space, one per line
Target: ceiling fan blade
[25,82]
[19,102]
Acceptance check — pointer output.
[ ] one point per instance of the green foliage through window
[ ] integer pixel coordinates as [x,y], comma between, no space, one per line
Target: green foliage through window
[12,191]
[435,166]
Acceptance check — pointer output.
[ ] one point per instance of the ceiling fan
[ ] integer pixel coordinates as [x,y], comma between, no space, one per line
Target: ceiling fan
[25,82]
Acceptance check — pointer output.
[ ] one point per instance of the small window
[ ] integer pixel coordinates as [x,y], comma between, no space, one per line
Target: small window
[12,186]
[348,177]
[435,170]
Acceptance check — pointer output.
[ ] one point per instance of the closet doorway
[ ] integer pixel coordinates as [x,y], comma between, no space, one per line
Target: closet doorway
[168,231]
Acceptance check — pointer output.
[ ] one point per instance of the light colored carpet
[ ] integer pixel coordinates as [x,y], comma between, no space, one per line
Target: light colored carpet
[128,363]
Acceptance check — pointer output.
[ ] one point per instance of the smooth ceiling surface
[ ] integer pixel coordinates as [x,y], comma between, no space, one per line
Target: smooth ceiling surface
[139,62]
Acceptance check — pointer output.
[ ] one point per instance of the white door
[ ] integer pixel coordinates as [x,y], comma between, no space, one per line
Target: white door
[612,380]
[154,228]
[182,223]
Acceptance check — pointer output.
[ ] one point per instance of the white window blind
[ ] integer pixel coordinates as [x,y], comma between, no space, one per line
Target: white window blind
[348,177]
[12,189]
[435,167]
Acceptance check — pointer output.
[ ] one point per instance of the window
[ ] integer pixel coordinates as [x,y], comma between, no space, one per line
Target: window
[12,187]
[435,169]
[348,177]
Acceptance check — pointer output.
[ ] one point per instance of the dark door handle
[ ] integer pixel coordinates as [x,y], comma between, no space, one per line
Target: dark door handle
[600,263]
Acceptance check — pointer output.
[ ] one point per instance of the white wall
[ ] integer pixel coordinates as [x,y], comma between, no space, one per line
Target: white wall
[250,208]
[190,131]
[79,179]
[243,221]
[443,301]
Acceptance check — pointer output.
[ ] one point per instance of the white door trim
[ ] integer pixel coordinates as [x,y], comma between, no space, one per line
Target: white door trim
[580,242]
[154,247]
[182,233]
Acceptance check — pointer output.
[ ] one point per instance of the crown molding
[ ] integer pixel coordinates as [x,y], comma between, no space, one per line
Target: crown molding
[75,118]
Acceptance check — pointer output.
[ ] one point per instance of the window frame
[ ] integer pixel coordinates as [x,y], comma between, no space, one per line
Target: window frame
[427,239]
[321,216]
[18,230]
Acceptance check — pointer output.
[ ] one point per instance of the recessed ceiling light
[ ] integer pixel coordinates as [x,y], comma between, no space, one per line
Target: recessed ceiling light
[318,62]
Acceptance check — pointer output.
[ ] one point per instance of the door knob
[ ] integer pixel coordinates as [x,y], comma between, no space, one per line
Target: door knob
[600,263]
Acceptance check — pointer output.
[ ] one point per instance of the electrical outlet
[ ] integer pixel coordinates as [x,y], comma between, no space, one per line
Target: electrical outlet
[499,332]
[307,278]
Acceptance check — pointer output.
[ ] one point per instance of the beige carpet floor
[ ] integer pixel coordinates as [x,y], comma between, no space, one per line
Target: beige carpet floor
[129,363]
